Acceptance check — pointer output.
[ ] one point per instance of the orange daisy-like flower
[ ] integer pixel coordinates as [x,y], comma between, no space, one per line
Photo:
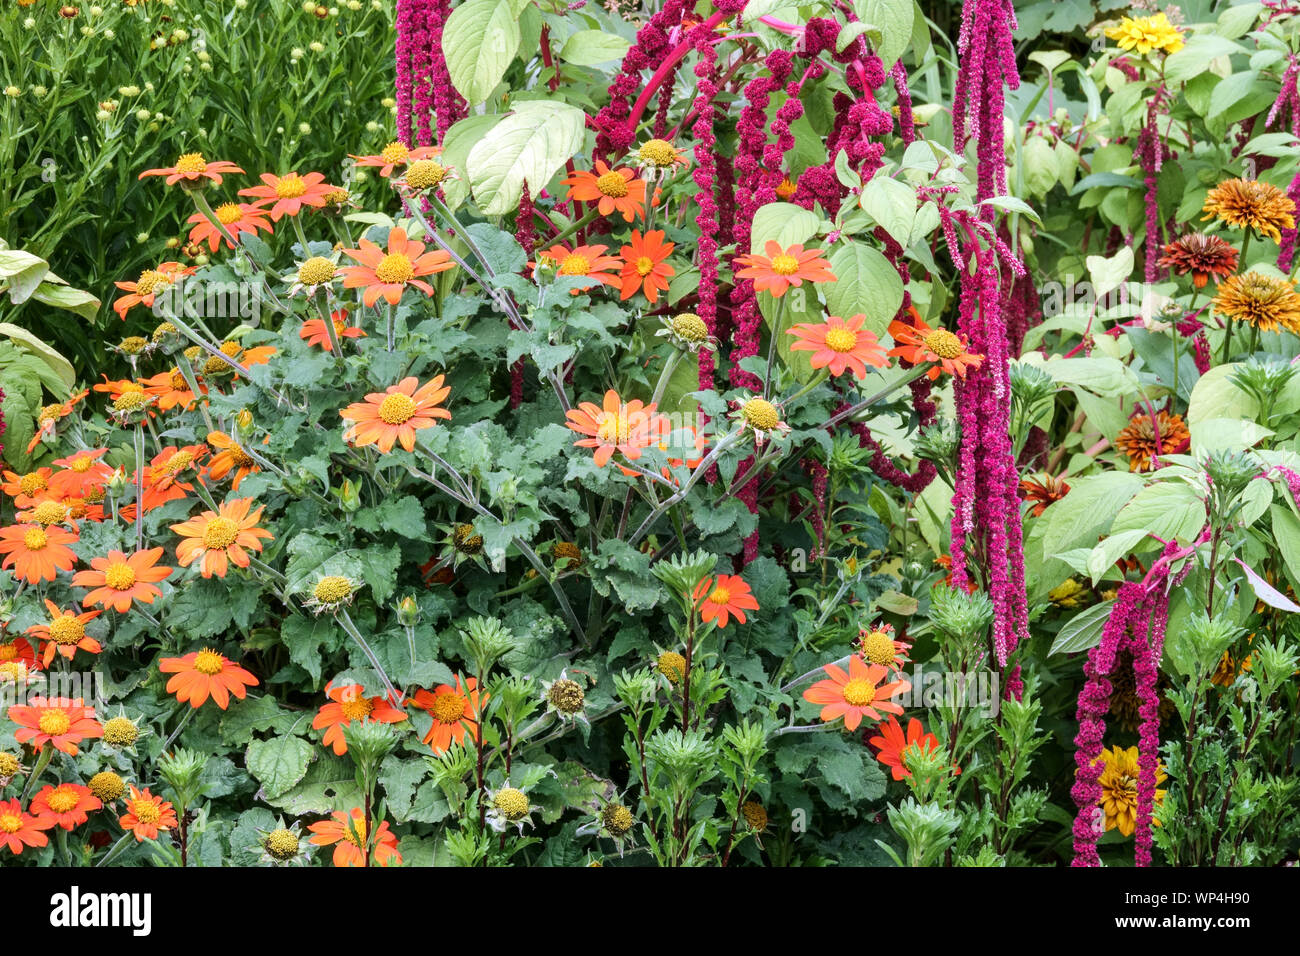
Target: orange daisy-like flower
[1251,204]
[193,169]
[65,805]
[349,703]
[1043,491]
[615,426]
[856,694]
[19,829]
[877,645]
[60,722]
[892,745]
[613,190]
[170,390]
[237,217]
[203,674]
[840,345]
[644,269]
[918,343]
[1201,255]
[19,650]
[315,332]
[82,473]
[146,814]
[145,289]
[454,711]
[216,537]
[388,273]
[65,634]
[35,552]
[286,195]
[782,268]
[584,261]
[347,833]
[1144,440]
[397,154]
[47,419]
[396,414]
[29,489]
[231,457]
[119,579]
[724,597]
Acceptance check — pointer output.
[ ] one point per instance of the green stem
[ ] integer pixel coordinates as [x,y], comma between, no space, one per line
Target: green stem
[43,761]
[139,487]
[778,320]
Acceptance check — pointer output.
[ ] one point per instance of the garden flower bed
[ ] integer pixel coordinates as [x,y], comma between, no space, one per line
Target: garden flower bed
[510,432]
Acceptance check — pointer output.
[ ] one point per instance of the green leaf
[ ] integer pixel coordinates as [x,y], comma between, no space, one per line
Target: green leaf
[1194,58]
[528,146]
[279,763]
[1108,274]
[479,40]
[330,784]
[50,356]
[1087,511]
[894,18]
[1116,546]
[22,273]
[66,297]
[784,223]
[1082,631]
[1167,509]
[593,47]
[865,282]
[892,204]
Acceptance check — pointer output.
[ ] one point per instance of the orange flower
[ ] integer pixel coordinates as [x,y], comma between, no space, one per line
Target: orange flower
[892,746]
[18,650]
[19,829]
[83,472]
[314,331]
[47,419]
[61,722]
[346,704]
[286,195]
[66,805]
[454,711]
[396,414]
[727,594]
[144,290]
[588,261]
[171,390]
[616,190]
[117,580]
[36,553]
[615,426]
[221,535]
[782,268]
[65,634]
[918,343]
[857,694]
[28,490]
[643,265]
[1043,491]
[146,814]
[397,154]
[192,168]
[347,833]
[388,274]
[840,345]
[237,217]
[232,457]
[203,674]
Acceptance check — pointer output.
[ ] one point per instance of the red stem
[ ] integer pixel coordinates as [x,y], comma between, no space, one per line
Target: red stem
[666,69]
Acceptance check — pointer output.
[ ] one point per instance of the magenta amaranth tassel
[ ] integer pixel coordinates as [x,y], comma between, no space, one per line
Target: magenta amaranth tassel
[405,40]
[988,68]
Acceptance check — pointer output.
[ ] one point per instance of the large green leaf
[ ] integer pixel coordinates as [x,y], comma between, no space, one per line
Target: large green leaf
[50,356]
[279,763]
[784,223]
[591,47]
[529,145]
[894,20]
[866,283]
[480,39]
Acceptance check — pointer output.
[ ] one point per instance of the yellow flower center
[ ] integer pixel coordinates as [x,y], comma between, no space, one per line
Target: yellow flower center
[50,512]
[9,765]
[54,722]
[575,265]
[338,196]
[358,709]
[35,539]
[227,213]
[424,174]
[208,662]
[106,785]
[612,185]
[616,817]
[220,534]
[465,541]
[290,187]
[511,804]
[613,429]
[62,799]
[720,596]
[149,281]
[316,270]
[241,458]
[448,707]
[859,693]
[394,153]
[878,648]
[761,414]
[66,629]
[191,163]
[32,484]
[841,340]
[146,811]
[658,152]
[943,344]
[50,414]
[164,329]
[119,576]
[133,344]
[14,671]
[120,732]
[355,832]
[690,327]
[784,265]
[397,408]
[82,463]
[178,381]
[282,844]
[10,823]
[395,268]
[332,589]
[644,266]
[129,402]
[179,462]
[672,665]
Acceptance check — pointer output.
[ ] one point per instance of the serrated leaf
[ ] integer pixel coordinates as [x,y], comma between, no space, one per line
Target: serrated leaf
[279,763]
